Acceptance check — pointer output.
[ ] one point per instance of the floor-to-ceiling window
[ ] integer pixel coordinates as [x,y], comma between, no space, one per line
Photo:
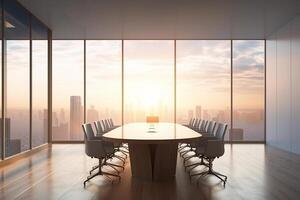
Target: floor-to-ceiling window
[248,90]
[17,34]
[203,83]
[39,36]
[104,80]
[23,80]
[203,80]
[68,88]
[148,80]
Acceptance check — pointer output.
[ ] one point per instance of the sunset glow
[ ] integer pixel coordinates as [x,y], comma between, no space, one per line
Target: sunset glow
[203,84]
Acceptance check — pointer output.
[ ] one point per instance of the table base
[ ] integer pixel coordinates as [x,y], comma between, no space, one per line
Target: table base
[153,161]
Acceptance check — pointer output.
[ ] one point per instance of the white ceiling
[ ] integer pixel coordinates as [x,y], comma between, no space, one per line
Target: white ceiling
[163,19]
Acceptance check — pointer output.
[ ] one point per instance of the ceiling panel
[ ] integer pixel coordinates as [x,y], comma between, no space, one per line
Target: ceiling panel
[163,19]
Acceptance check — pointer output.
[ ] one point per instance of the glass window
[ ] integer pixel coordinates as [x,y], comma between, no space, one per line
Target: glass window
[104,80]
[68,84]
[39,83]
[203,80]
[248,90]
[148,80]
[17,77]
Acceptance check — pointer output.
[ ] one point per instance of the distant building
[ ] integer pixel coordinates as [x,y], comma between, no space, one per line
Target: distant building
[54,119]
[60,132]
[190,114]
[206,116]
[13,146]
[198,112]
[92,114]
[75,118]
[221,116]
[45,124]
[62,116]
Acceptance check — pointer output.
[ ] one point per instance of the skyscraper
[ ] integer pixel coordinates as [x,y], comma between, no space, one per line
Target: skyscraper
[54,119]
[62,118]
[13,146]
[75,118]
[198,112]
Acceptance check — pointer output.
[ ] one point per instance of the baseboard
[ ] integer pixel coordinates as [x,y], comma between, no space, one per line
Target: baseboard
[67,142]
[245,142]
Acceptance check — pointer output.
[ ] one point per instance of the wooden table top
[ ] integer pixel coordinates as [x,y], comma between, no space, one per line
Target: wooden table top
[152,133]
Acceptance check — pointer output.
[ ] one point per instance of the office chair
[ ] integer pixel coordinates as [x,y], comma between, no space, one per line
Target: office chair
[99,128]
[109,147]
[213,148]
[208,134]
[210,128]
[108,128]
[116,145]
[196,125]
[112,125]
[190,148]
[189,125]
[105,128]
[96,149]
[202,127]
[191,122]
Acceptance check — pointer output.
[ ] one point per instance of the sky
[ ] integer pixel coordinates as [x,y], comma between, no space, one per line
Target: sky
[203,73]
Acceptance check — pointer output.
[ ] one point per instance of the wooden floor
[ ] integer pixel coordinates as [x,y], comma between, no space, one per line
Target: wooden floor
[254,171]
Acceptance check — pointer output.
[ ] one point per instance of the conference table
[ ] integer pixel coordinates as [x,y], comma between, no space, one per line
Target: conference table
[152,147]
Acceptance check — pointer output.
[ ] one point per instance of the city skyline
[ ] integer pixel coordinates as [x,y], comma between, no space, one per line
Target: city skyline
[202,77]
[247,123]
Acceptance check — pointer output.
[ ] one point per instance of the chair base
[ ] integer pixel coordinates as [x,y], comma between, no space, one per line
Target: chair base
[103,162]
[194,165]
[112,165]
[211,172]
[100,173]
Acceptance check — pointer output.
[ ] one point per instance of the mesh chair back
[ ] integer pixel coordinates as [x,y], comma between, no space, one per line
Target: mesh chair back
[195,123]
[107,124]
[203,126]
[211,127]
[221,131]
[104,126]
[191,122]
[99,129]
[198,124]
[88,132]
[111,122]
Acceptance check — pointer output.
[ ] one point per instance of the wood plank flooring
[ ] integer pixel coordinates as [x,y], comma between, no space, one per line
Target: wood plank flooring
[255,171]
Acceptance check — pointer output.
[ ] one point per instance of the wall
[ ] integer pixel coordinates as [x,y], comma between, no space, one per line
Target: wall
[283,87]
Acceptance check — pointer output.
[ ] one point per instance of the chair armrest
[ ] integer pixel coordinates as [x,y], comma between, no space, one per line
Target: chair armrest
[208,136]
[98,138]
[202,141]
[214,148]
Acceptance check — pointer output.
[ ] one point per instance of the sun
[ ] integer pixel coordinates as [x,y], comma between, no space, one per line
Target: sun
[150,98]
